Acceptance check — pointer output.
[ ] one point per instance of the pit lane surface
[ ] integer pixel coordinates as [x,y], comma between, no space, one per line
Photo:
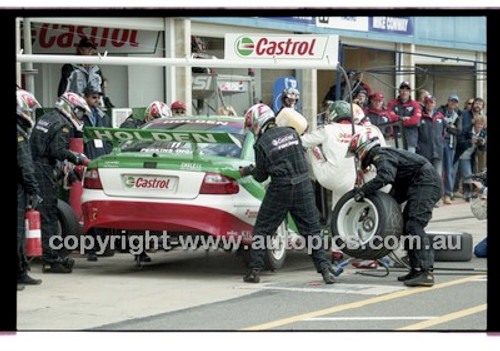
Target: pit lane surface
[204,291]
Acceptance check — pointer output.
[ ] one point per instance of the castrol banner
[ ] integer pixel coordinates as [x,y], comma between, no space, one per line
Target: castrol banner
[52,38]
[276,47]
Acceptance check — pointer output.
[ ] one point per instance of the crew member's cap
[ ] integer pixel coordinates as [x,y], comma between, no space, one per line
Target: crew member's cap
[90,90]
[454,97]
[405,85]
[378,96]
[429,98]
[178,105]
[87,43]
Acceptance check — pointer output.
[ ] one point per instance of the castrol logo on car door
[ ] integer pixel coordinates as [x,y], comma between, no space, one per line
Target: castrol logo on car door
[315,47]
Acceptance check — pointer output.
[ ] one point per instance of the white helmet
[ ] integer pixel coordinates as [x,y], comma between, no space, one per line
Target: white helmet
[288,117]
[361,144]
[157,109]
[357,114]
[73,107]
[26,105]
[257,117]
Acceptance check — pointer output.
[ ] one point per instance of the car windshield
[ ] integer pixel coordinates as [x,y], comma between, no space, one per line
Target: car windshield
[176,147]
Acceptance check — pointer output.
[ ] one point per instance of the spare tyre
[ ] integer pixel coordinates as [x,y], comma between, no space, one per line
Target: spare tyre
[369,229]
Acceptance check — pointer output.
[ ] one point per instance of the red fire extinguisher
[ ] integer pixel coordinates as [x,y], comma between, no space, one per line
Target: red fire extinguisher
[33,233]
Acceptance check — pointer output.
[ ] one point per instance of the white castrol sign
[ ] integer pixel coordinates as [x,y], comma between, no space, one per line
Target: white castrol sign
[321,48]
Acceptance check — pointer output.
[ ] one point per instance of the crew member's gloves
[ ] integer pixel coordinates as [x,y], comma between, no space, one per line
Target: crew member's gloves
[246,171]
[33,200]
[81,159]
[359,195]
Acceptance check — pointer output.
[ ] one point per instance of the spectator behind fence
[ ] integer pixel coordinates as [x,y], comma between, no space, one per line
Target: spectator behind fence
[356,85]
[178,108]
[421,95]
[453,129]
[377,114]
[468,105]
[469,142]
[467,120]
[409,112]
[76,78]
[361,98]
[431,134]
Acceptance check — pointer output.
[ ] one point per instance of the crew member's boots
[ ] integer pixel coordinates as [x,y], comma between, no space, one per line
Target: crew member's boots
[410,275]
[421,278]
[25,279]
[252,276]
[327,273]
[59,265]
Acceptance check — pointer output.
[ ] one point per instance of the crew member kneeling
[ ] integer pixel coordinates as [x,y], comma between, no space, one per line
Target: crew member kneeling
[414,180]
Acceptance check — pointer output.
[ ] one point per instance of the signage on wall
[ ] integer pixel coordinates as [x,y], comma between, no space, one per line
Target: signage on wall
[381,24]
[387,24]
[63,39]
[346,22]
[270,47]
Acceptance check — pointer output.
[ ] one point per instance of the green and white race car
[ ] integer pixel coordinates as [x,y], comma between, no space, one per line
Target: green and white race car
[179,175]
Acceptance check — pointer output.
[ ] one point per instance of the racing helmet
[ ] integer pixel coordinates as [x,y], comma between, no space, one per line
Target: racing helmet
[288,117]
[361,144]
[26,105]
[157,109]
[338,111]
[289,97]
[73,107]
[257,117]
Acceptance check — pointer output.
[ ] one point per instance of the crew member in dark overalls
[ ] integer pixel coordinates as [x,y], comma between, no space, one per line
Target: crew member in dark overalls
[279,154]
[49,143]
[28,193]
[414,180]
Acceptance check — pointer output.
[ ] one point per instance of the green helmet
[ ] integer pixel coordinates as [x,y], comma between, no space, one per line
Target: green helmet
[338,111]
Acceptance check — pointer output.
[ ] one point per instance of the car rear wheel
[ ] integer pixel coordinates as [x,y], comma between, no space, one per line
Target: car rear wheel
[369,229]
[275,256]
[67,223]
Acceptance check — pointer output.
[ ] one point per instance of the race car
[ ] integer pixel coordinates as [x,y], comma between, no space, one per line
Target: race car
[179,176]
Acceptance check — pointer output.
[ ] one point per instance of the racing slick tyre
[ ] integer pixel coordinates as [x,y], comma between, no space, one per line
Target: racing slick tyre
[369,229]
[68,223]
[451,246]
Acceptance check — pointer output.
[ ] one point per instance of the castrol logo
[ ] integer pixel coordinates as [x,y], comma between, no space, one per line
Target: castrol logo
[147,182]
[290,47]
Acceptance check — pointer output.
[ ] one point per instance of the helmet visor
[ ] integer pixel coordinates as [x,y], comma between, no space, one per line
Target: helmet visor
[79,113]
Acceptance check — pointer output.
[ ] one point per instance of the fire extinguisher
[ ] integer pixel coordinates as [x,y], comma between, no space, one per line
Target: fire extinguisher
[33,233]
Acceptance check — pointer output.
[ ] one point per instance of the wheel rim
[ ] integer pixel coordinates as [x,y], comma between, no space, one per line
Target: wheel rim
[358,221]
[278,241]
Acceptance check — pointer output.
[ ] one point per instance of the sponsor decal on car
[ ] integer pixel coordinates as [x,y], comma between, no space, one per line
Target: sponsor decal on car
[122,134]
[149,182]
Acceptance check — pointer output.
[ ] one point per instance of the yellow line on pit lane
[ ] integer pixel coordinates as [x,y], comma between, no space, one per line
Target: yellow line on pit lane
[358,304]
[445,318]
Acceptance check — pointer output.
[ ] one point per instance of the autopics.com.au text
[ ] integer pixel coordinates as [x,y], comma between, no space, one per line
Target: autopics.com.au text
[137,243]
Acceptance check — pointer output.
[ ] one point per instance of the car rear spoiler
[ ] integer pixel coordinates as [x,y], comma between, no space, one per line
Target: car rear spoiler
[118,135]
